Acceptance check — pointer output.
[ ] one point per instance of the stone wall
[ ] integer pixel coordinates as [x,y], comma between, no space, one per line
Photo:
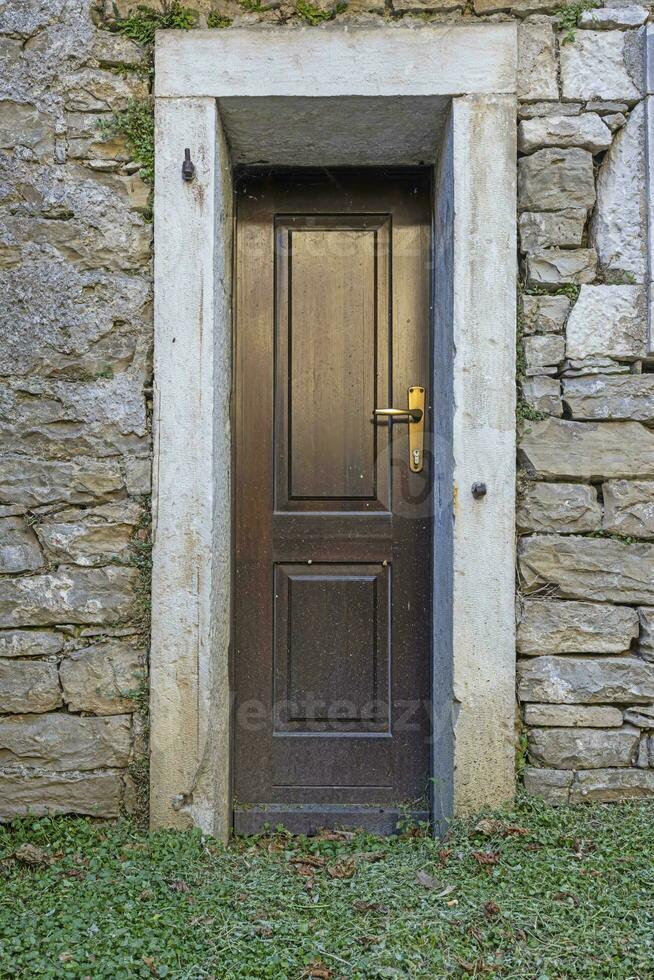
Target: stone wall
[76,336]
[75,271]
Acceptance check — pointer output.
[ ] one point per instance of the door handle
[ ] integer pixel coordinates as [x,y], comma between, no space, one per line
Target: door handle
[400,414]
[414,414]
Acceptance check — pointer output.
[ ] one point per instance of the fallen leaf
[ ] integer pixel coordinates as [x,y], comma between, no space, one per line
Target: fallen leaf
[486,858]
[179,885]
[306,870]
[66,957]
[309,859]
[496,828]
[335,834]
[150,963]
[368,940]
[363,906]
[425,879]
[318,971]
[491,910]
[342,869]
[31,854]
[444,856]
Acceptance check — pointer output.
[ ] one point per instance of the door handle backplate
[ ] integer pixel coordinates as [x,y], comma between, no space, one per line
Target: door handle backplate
[414,415]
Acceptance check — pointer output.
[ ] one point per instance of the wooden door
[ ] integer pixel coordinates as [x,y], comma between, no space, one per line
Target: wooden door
[333,530]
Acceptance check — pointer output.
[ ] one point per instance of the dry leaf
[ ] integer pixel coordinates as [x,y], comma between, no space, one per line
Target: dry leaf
[343,869]
[150,963]
[179,885]
[486,858]
[491,910]
[309,859]
[31,854]
[363,906]
[318,971]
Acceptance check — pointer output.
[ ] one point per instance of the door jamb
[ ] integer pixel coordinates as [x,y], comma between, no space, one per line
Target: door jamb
[475,253]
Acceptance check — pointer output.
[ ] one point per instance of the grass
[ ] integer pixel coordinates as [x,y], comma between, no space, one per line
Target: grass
[534,892]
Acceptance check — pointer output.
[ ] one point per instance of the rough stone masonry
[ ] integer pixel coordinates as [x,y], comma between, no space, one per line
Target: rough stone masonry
[76,282]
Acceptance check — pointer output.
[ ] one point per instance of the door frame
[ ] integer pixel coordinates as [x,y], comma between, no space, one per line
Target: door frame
[474,322]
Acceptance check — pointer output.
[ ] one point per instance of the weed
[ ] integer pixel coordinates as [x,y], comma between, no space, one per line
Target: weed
[568,17]
[568,894]
[142,25]
[135,125]
[216,20]
[315,15]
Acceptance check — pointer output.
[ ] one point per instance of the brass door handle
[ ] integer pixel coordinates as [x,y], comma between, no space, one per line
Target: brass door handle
[414,414]
[401,414]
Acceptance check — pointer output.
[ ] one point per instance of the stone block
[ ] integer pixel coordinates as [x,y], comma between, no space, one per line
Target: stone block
[618,228]
[599,569]
[608,321]
[19,548]
[557,449]
[94,794]
[646,641]
[599,65]
[642,716]
[60,419]
[100,90]
[544,314]
[543,353]
[543,394]
[612,18]
[90,595]
[554,180]
[419,6]
[138,475]
[593,365]
[548,626]
[586,130]
[522,7]
[531,110]
[537,67]
[585,680]
[32,481]
[572,716]
[612,785]
[97,323]
[550,784]
[567,508]
[551,229]
[103,678]
[28,686]
[30,643]
[599,398]
[25,127]
[629,508]
[90,537]
[65,742]
[583,748]
[552,267]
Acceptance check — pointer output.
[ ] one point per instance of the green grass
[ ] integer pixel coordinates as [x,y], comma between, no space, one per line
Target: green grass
[548,893]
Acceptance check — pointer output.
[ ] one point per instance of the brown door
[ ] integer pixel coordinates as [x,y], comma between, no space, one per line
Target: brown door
[332,525]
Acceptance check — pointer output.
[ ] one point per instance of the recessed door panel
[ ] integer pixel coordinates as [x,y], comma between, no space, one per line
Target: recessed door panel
[330,270]
[333,528]
[332,648]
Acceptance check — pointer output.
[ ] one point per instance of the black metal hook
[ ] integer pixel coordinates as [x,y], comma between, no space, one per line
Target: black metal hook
[188,167]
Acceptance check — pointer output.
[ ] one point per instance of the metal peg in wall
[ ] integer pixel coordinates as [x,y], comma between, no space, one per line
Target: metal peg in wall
[479,490]
[188,167]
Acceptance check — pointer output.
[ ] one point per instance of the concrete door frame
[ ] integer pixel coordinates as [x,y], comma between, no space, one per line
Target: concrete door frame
[474,69]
